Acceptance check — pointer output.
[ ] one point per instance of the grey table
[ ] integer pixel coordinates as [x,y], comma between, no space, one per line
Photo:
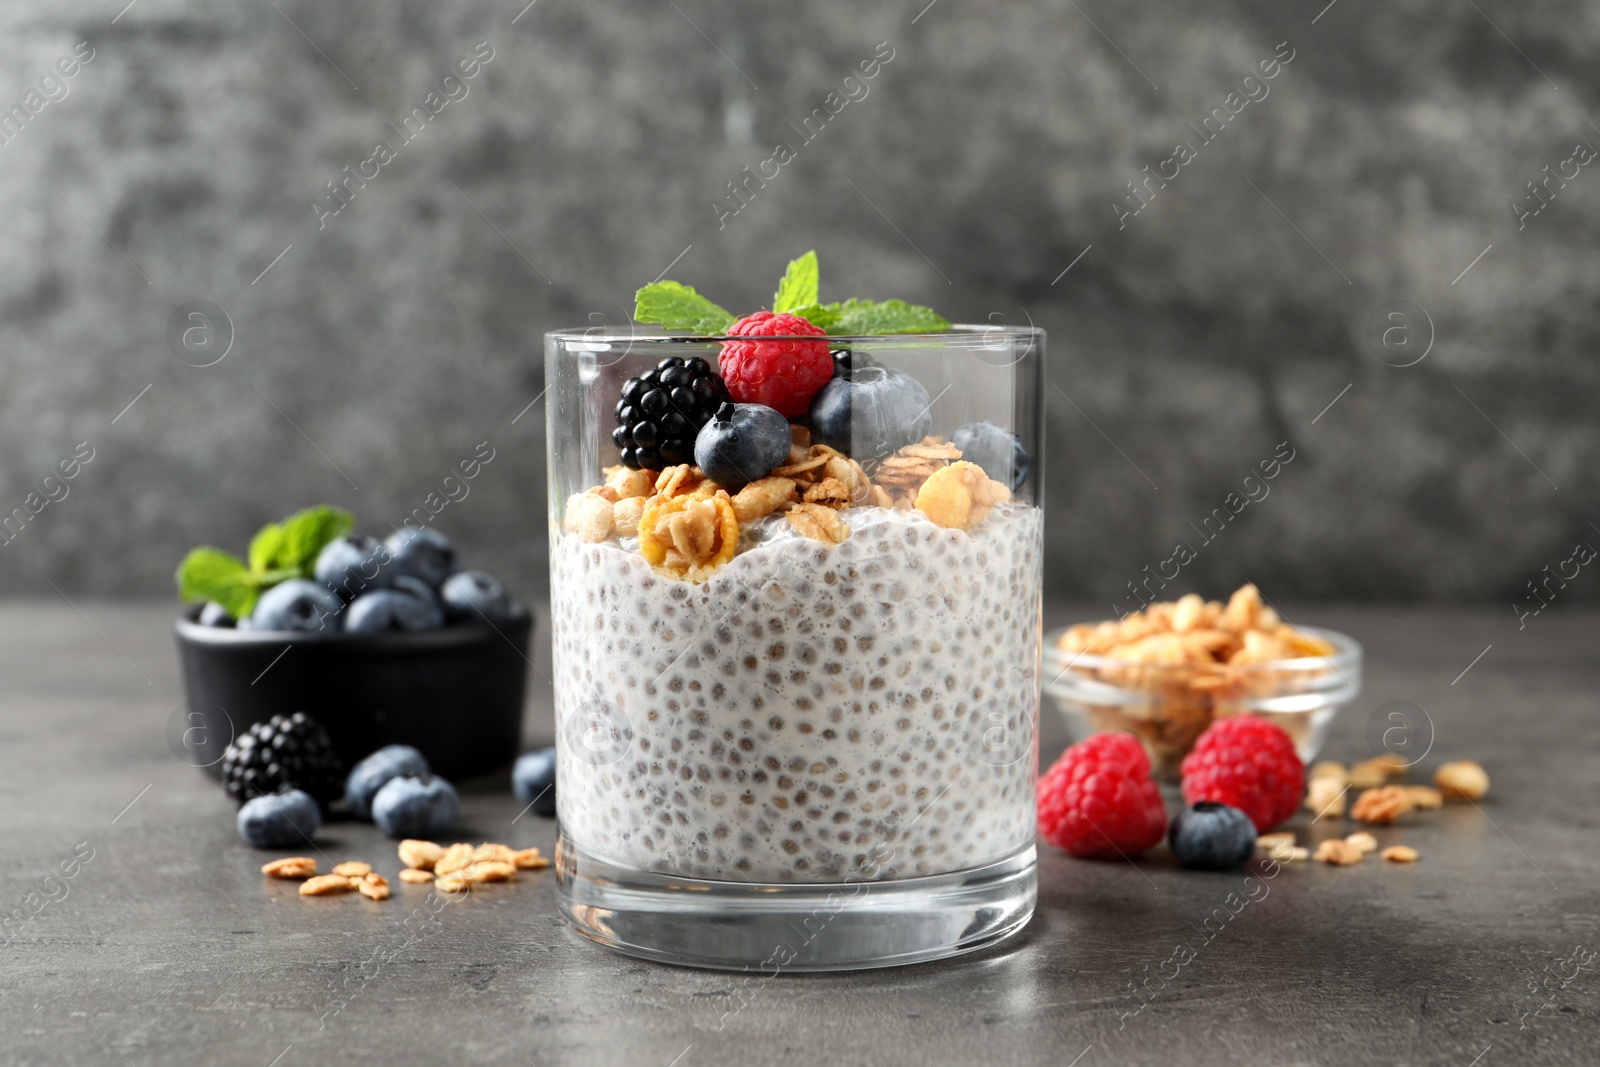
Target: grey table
[168,947]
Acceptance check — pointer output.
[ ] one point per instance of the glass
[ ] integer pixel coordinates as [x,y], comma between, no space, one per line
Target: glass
[818,754]
[1168,707]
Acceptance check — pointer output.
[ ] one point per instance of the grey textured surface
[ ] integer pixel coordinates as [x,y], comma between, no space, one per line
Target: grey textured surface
[168,947]
[984,160]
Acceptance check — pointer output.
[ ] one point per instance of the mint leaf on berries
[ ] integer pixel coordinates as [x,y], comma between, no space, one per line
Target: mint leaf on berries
[798,289]
[212,574]
[822,316]
[306,533]
[863,317]
[675,306]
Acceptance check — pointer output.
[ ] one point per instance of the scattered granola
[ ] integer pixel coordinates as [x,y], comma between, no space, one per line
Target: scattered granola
[1362,840]
[1424,797]
[1339,853]
[374,887]
[529,859]
[290,867]
[1461,780]
[324,884]
[415,876]
[1400,854]
[490,871]
[455,858]
[353,869]
[1325,797]
[1381,806]
[421,854]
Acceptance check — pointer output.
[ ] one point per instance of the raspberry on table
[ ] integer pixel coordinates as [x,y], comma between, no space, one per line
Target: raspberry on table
[1248,763]
[1099,800]
[784,375]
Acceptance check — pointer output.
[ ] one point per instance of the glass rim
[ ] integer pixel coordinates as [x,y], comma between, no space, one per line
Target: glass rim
[1346,653]
[633,334]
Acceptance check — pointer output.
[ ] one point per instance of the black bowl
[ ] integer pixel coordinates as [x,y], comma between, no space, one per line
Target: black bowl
[454,693]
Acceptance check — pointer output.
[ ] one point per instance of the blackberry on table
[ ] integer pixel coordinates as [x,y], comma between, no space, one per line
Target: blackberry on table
[285,752]
[662,410]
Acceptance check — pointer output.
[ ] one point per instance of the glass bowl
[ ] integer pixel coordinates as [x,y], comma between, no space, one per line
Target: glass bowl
[1167,707]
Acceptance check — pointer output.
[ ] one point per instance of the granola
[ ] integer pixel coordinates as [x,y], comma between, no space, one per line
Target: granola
[290,867]
[1381,806]
[689,537]
[818,523]
[1461,780]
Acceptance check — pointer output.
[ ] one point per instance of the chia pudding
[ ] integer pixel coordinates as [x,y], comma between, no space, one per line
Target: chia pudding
[807,706]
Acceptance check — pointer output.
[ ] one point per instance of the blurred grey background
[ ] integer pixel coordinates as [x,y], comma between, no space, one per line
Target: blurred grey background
[985,171]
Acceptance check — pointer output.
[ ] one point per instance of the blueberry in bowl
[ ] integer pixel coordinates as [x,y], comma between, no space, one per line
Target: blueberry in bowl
[351,565]
[424,554]
[400,663]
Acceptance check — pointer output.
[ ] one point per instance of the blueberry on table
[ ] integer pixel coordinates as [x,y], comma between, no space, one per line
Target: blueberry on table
[998,451]
[533,780]
[1212,837]
[415,806]
[391,611]
[474,595]
[297,604]
[426,554]
[376,771]
[281,820]
[214,614]
[349,566]
[742,443]
[872,413]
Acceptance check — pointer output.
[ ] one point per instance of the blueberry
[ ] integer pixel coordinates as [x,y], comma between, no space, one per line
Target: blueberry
[999,452]
[214,614]
[415,806]
[474,595]
[533,780]
[872,413]
[426,554]
[1212,836]
[390,611]
[351,565]
[297,604]
[741,443]
[281,820]
[374,772]
[405,583]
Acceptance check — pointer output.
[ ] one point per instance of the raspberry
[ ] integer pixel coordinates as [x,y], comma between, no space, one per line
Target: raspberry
[780,374]
[1248,763]
[1099,800]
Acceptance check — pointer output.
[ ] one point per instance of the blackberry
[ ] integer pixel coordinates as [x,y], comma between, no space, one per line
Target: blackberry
[285,752]
[663,409]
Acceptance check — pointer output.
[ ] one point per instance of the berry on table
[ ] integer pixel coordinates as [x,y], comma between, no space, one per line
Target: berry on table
[281,820]
[783,375]
[1248,763]
[871,413]
[1212,837]
[742,443]
[662,410]
[285,752]
[1099,801]
[998,451]
[375,772]
[419,806]
[533,780]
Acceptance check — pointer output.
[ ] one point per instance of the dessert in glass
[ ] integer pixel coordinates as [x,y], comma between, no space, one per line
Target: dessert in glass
[796,640]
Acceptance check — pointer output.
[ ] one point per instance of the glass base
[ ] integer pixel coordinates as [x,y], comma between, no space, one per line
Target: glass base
[782,927]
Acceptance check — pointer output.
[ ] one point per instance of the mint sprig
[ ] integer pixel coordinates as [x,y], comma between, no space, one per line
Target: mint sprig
[676,306]
[798,287]
[278,552]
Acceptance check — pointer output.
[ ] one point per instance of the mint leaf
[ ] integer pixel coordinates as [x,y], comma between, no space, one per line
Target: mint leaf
[822,316]
[212,574]
[863,317]
[265,547]
[799,285]
[676,306]
[304,535]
